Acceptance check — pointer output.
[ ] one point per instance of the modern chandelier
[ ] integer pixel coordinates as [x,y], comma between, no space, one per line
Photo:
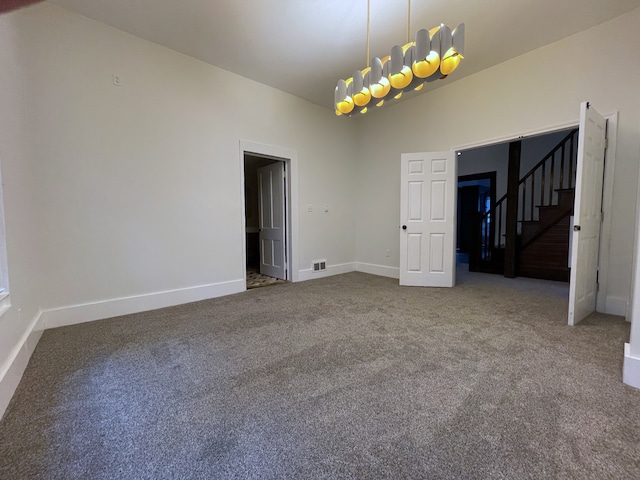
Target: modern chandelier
[433,55]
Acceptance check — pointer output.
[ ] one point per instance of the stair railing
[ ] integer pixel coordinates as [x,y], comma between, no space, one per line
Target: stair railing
[556,171]
[538,187]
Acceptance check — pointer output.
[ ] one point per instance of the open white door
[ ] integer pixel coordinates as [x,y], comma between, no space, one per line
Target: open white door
[272,220]
[427,215]
[587,214]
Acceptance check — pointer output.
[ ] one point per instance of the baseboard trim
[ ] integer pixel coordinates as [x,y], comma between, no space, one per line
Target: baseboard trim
[13,369]
[380,270]
[88,312]
[331,270]
[615,306]
[630,368]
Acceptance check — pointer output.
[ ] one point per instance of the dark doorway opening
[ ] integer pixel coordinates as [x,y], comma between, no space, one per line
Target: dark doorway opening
[476,195]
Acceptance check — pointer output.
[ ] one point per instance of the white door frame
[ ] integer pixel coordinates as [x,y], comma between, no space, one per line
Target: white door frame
[605,304]
[290,158]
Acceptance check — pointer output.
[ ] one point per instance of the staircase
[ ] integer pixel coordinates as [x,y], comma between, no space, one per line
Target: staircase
[545,205]
[544,243]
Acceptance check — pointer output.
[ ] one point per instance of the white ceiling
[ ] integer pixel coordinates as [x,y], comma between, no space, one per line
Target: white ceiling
[304,46]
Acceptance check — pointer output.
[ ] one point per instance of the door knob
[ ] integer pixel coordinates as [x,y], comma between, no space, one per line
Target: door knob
[404,227]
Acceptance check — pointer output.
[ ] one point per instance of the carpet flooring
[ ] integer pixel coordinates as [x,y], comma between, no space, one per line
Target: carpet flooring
[349,376]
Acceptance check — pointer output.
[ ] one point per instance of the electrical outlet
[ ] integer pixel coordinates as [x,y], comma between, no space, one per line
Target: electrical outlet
[387,252]
[116,80]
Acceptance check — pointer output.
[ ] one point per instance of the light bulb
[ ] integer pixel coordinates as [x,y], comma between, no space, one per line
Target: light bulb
[401,79]
[345,106]
[363,97]
[380,89]
[450,63]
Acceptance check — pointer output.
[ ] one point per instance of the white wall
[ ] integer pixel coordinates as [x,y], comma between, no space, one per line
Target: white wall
[631,363]
[142,182]
[22,214]
[116,195]
[536,91]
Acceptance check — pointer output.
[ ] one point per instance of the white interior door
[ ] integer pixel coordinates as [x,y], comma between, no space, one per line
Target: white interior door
[427,215]
[272,220]
[587,214]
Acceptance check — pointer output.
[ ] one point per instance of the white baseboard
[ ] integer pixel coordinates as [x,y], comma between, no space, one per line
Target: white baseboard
[13,369]
[87,312]
[309,274]
[630,368]
[615,306]
[380,270]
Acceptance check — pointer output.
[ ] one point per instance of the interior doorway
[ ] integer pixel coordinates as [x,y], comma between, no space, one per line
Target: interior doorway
[422,252]
[476,195]
[265,200]
[289,161]
[545,169]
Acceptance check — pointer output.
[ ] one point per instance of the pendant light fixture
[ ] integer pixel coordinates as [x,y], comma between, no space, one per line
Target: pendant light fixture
[433,55]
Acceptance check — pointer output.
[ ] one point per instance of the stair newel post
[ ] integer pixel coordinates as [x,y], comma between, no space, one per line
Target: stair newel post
[532,200]
[524,197]
[572,182]
[542,180]
[498,219]
[562,168]
[511,230]
[552,179]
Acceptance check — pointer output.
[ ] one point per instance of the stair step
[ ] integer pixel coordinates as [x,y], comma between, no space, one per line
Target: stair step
[551,217]
[566,196]
[529,230]
[547,256]
[550,213]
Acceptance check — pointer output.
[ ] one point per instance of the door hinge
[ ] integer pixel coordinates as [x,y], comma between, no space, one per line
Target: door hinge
[606,143]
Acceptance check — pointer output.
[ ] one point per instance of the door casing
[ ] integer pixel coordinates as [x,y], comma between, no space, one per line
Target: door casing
[290,157]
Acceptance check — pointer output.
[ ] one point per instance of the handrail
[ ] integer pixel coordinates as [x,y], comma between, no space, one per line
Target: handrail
[551,179]
[548,155]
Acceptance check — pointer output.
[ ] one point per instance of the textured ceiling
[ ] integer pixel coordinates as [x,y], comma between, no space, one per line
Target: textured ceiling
[303,46]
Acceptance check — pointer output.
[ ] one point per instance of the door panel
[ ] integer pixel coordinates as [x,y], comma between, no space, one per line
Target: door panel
[436,259]
[583,286]
[272,220]
[414,252]
[427,237]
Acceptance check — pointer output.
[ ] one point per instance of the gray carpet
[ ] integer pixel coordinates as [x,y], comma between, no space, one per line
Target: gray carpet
[350,376]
